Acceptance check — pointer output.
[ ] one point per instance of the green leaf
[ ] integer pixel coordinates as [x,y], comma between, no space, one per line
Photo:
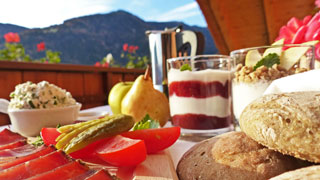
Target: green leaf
[185,67]
[146,123]
[268,61]
[38,141]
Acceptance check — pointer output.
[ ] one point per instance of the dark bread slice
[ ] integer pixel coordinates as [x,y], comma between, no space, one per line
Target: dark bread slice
[234,156]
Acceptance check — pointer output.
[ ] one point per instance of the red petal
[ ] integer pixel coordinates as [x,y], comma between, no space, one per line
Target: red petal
[306,19]
[299,36]
[311,30]
[286,32]
[294,24]
[314,18]
[316,35]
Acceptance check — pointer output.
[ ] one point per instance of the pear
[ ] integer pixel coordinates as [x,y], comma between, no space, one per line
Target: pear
[292,55]
[252,57]
[116,95]
[143,99]
[277,49]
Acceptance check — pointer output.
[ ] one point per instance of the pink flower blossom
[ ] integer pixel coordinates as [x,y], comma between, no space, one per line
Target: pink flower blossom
[317,3]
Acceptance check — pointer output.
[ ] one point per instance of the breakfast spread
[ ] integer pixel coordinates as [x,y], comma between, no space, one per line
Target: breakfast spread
[193,92]
[43,95]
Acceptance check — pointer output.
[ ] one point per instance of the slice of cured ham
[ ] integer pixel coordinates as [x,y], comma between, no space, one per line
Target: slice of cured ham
[36,166]
[20,160]
[19,151]
[100,175]
[94,174]
[66,171]
[13,144]
[8,137]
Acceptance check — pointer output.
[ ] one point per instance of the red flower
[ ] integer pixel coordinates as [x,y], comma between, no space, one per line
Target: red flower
[105,64]
[132,49]
[136,48]
[125,47]
[12,37]
[41,46]
[97,64]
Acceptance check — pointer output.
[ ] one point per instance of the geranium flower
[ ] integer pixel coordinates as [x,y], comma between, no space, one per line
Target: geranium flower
[105,64]
[12,37]
[125,47]
[41,46]
[132,49]
[97,64]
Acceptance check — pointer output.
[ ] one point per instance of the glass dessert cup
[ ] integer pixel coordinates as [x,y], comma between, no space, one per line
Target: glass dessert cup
[250,80]
[200,94]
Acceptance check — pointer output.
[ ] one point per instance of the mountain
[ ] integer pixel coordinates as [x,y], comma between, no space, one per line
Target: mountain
[4,28]
[87,39]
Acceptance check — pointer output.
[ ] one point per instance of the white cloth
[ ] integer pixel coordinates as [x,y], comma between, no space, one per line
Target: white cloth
[306,81]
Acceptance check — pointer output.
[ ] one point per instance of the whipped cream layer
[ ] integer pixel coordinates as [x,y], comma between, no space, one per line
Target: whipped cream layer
[208,75]
[211,106]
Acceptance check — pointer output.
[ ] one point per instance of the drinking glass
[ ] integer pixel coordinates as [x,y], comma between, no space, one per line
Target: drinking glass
[200,94]
[250,84]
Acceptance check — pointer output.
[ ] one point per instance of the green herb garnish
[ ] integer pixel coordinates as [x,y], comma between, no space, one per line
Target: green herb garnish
[31,104]
[12,95]
[146,123]
[38,142]
[185,67]
[268,61]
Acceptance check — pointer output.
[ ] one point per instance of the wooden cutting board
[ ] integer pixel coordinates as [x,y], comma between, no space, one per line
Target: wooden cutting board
[156,167]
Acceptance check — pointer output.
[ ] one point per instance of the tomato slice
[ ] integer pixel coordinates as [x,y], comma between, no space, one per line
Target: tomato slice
[155,139]
[122,151]
[49,135]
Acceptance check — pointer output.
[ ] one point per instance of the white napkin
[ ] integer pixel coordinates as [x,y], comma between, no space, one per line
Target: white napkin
[306,81]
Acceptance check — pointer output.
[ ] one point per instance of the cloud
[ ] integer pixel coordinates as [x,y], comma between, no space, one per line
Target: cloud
[41,13]
[180,13]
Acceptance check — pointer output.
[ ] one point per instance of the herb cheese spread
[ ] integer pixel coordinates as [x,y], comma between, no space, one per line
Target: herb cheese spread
[39,96]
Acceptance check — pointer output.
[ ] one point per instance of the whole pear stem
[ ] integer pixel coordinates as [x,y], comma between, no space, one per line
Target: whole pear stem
[147,73]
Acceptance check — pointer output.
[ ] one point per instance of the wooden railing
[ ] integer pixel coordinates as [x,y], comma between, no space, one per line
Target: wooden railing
[89,85]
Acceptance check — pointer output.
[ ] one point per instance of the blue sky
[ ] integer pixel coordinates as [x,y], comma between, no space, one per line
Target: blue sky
[43,13]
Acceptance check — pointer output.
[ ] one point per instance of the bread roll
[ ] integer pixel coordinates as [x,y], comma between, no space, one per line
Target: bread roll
[308,173]
[287,122]
[234,156]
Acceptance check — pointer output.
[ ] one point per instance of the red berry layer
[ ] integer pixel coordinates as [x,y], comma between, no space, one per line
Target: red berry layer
[199,89]
[200,121]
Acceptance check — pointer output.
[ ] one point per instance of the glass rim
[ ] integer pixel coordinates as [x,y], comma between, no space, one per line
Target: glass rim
[237,51]
[192,58]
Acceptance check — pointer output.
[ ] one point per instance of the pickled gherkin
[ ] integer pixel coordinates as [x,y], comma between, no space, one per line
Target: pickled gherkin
[71,127]
[64,139]
[115,125]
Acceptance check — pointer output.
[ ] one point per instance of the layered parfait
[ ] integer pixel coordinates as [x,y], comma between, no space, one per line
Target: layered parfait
[262,65]
[200,99]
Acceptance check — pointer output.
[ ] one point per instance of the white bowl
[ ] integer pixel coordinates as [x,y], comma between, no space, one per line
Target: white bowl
[29,122]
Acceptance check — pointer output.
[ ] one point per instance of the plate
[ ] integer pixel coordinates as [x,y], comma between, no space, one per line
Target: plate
[89,115]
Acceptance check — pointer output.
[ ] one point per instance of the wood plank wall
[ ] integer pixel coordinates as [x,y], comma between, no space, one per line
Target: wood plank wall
[89,85]
[236,24]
